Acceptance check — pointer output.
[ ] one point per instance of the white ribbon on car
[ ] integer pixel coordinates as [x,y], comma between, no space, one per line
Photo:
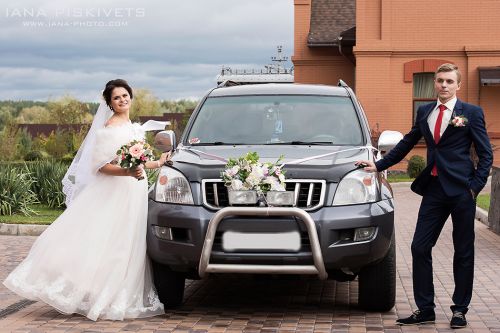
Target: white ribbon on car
[197,152]
[325,155]
[297,161]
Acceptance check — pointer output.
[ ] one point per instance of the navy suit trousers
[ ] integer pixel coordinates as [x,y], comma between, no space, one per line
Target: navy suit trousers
[435,209]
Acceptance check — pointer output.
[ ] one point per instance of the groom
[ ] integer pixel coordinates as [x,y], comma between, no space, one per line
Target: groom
[449,185]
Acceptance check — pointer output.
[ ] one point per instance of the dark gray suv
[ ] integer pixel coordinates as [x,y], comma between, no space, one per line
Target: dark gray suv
[339,226]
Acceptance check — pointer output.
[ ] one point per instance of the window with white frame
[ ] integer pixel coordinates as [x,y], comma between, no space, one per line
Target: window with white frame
[423,90]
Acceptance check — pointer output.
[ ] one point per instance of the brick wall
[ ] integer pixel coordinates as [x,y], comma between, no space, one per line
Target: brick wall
[392,35]
[316,65]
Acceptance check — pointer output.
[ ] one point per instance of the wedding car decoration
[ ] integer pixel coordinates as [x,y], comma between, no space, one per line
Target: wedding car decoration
[247,179]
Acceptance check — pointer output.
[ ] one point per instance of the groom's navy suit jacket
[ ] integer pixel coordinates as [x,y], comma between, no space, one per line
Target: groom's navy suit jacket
[456,171]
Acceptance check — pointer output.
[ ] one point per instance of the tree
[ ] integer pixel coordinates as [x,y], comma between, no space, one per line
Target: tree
[34,115]
[144,104]
[68,110]
[9,143]
[6,116]
[179,106]
[58,143]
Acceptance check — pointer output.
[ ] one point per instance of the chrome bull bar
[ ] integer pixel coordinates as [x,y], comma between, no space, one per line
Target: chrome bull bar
[318,267]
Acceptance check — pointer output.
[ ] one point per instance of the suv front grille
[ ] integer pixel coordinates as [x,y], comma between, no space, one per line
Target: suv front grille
[309,193]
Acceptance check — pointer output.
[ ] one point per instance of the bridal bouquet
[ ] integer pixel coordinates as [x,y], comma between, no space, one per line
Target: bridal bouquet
[134,153]
[247,173]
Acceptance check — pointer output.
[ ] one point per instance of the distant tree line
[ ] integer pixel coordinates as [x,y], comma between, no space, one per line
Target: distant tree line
[17,144]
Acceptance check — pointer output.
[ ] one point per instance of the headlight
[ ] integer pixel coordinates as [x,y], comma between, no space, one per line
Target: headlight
[173,187]
[356,187]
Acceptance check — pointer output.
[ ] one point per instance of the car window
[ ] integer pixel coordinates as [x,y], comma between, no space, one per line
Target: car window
[277,119]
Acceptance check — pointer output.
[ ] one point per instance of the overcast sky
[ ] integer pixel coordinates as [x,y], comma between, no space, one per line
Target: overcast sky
[175,48]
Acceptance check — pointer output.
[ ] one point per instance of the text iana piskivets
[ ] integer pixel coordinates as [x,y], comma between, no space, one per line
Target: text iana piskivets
[77,12]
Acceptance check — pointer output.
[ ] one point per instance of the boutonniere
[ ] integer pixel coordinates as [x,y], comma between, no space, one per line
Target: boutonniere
[459,121]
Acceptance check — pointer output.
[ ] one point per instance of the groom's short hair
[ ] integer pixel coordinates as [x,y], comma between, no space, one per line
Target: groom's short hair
[449,68]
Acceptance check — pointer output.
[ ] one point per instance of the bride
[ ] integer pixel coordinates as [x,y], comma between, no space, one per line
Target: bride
[92,259]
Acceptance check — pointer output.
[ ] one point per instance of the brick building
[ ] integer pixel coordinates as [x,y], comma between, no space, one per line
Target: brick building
[387,51]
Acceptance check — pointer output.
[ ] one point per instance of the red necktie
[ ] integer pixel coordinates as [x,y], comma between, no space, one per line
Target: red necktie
[437,133]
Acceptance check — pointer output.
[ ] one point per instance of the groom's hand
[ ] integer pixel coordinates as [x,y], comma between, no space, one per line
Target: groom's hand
[366,165]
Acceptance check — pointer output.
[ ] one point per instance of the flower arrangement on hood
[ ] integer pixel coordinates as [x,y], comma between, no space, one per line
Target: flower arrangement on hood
[247,173]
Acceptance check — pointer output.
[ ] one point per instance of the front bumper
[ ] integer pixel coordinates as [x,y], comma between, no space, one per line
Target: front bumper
[334,227]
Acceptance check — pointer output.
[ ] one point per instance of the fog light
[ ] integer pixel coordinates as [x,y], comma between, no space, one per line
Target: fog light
[364,234]
[242,197]
[163,232]
[280,198]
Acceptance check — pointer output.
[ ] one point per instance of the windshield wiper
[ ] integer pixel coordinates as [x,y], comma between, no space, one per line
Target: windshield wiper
[301,143]
[216,143]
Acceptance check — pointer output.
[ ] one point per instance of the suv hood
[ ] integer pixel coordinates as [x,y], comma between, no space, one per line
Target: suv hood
[204,162]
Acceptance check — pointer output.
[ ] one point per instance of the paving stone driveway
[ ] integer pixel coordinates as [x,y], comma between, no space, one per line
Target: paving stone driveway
[262,304]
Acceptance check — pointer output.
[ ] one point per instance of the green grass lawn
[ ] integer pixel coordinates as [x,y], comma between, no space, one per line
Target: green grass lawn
[483,201]
[398,178]
[45,215]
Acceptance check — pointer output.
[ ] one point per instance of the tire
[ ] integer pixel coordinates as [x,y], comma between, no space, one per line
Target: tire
[169,285]
[377,283]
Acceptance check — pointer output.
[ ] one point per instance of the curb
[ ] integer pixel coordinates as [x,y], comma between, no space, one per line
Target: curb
[482,215]
[22,229]
[37,229]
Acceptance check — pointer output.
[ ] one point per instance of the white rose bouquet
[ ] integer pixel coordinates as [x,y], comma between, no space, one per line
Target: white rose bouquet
[247,173]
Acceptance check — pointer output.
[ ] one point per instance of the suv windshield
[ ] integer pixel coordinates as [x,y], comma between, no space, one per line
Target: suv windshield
[276,119]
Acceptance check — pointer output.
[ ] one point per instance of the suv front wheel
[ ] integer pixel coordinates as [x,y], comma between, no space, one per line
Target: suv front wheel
[169,285]
[377,283]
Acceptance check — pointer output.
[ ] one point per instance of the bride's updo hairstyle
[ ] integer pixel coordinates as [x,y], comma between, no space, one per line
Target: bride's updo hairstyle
[118,83]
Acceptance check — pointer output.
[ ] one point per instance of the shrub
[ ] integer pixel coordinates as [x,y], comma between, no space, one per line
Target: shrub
[61,142]
[67,159]
[25,142]
[16,194]
[47,186]
[36,155]
[9,143]
[152,175]
[415,166]
[58,144]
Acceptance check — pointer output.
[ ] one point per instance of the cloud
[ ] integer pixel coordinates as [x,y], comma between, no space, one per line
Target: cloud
[174,48]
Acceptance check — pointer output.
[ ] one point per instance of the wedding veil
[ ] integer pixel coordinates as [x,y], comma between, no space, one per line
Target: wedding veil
[80,171]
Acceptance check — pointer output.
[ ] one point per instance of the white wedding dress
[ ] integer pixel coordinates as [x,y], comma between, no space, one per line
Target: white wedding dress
[92,259]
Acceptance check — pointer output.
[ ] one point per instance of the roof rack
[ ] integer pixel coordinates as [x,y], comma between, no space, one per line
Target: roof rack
[342,84]
[228,83]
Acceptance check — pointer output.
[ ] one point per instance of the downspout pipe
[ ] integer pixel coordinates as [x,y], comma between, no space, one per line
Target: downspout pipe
[351,59]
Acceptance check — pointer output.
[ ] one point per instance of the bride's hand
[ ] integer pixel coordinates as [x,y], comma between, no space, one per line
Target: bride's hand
[164,158]
[136,172]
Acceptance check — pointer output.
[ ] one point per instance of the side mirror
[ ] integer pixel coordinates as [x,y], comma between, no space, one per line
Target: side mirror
[388,140]
[165,141]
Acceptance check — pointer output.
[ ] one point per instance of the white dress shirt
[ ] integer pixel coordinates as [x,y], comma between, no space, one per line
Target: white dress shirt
[431,120]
